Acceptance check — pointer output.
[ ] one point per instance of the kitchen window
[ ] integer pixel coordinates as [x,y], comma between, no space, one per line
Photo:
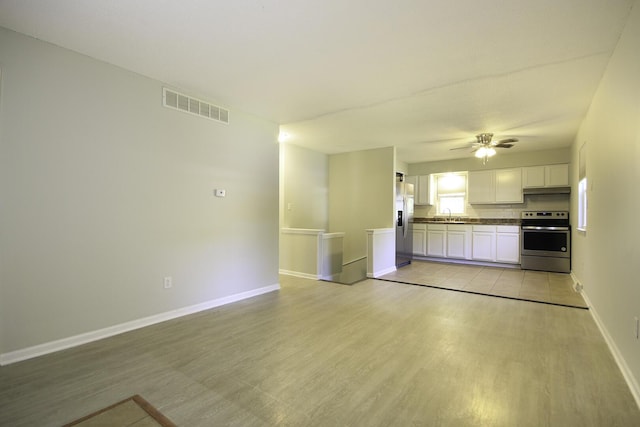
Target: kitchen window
[451,193]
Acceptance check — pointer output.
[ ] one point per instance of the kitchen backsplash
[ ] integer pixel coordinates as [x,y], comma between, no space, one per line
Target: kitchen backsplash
[556,202]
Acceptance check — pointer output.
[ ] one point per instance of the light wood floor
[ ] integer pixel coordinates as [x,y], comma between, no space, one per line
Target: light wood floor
[554,288]
[321,354]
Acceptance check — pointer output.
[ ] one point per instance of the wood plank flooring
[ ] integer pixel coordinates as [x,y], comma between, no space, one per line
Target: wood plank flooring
[322,354]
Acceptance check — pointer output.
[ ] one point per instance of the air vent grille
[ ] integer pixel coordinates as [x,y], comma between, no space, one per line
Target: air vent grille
[180,102]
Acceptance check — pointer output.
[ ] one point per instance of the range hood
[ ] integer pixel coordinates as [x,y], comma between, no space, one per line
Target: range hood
[547,190]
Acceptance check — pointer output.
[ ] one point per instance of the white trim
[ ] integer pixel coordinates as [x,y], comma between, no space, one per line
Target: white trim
[354,260]
[381,272]
[380,230]
[310,231]
[326,236]
[300,274]
[577,286]
[76,340]
[634,387]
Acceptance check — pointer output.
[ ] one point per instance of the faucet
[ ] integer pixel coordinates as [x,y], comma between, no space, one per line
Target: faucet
[448,209]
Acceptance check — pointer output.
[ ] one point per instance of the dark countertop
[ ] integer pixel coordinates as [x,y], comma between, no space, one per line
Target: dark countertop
[478,221]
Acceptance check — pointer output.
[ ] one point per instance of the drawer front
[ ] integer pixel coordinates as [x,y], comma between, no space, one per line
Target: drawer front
[508,229]
[485,228]
[439,227]
[458,227]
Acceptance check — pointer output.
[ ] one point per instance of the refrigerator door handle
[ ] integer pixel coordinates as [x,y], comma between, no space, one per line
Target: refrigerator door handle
[405,229]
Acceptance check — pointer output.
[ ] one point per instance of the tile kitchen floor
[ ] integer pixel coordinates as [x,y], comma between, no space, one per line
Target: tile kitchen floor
[540,286]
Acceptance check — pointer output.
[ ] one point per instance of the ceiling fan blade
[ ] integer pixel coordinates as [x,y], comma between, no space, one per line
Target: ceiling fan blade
[461,148]
[504,145]
[507,140]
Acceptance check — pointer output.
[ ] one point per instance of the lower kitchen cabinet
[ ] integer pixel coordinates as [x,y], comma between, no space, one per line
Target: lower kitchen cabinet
[484,243]
[508,244]
[419,239]
[490,243]
[436,240]
[459,241]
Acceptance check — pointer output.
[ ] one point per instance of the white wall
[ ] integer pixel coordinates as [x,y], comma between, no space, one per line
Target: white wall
[361,196]
[305,187]
[104,192]
[606,257]
[402,167]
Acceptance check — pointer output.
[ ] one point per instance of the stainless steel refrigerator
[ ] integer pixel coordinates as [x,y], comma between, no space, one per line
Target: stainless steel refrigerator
[404,223]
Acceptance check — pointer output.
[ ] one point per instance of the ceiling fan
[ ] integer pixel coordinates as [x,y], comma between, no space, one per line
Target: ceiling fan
[484,146]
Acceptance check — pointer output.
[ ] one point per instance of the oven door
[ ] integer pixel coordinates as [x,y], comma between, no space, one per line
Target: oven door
[546,241]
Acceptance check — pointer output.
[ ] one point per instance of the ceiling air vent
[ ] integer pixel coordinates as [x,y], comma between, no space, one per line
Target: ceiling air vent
[181,102]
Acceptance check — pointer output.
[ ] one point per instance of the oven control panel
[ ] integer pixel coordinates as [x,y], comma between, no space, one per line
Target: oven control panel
[545,215]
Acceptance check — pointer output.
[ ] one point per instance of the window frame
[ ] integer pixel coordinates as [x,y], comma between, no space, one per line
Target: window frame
[582,204]
[583,189]
[464,194]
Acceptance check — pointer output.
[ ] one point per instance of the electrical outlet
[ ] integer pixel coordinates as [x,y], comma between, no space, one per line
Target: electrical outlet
[637,328]
[168,282]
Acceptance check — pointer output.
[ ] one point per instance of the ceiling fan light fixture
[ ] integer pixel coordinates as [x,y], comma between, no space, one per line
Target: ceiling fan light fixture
[484,153]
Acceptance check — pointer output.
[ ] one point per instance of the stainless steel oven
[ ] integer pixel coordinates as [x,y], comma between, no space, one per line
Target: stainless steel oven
[545,241]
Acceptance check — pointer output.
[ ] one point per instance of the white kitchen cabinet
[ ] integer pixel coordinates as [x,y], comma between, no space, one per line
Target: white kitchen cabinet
[508,244]
[436,240]
[509,186]
[459,241]
[412,179]
[419,239]
[421,189]
[492,243]
[556,175]
[495,186]
[484,243]
[545,176]
[533,177]
[482,187]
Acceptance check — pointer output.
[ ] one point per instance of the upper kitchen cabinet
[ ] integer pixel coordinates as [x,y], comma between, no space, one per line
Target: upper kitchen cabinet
[421,189]
[495,186]
[482,187]
[509,186]
[545,176]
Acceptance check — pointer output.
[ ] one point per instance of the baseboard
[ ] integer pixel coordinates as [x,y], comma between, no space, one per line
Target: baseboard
[381,272]
[577,286]
[466,262]
[300,274]
[632,382]
[76,340]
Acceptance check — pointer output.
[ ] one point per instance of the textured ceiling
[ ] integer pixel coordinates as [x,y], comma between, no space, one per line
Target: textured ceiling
[425,76]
